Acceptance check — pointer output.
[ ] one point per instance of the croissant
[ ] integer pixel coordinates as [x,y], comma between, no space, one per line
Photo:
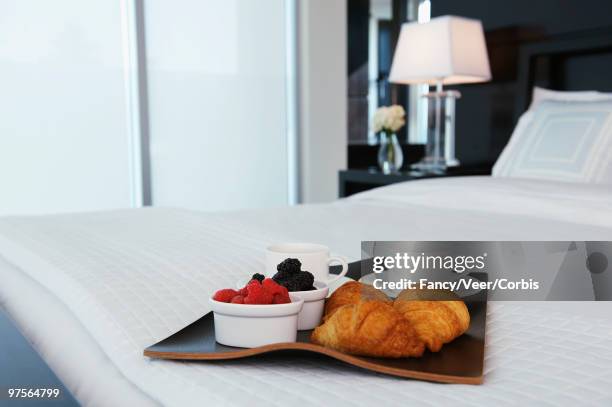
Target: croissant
[369,328]
[352,293]
[437,316]
[362,320]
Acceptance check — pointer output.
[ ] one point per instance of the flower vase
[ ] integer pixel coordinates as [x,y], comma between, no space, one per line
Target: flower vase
[390,156]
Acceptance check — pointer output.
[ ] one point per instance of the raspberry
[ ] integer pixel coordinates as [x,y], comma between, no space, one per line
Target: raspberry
[257,295]
[225,295]
[283,291]
[272,286]
[281,299]
[239,299]
[267,291]
[243,291]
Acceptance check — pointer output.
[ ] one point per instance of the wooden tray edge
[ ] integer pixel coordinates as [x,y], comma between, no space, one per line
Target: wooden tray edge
[352,360]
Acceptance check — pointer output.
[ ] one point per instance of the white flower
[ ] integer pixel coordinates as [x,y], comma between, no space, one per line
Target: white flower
[389,119]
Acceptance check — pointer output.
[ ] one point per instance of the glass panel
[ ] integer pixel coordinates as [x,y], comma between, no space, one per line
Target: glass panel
[217,89]
[63,133]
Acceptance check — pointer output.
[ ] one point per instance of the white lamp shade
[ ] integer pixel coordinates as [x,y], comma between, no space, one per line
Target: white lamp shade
[447,49]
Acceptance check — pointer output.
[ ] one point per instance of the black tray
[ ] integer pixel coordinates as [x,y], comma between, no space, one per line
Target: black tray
[460,361]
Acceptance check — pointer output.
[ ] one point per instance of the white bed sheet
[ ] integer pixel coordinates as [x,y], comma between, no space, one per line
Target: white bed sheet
[65,345]
[126,279]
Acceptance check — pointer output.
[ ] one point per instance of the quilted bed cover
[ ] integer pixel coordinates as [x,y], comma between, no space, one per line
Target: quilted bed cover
[91,291]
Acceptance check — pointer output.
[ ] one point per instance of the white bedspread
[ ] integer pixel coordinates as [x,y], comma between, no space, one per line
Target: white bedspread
[120,281]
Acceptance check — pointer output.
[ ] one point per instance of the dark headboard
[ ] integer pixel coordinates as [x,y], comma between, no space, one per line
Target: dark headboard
[576,61]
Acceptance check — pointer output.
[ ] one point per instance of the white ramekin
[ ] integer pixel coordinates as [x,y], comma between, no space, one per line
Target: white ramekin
[250,326]
[314,304]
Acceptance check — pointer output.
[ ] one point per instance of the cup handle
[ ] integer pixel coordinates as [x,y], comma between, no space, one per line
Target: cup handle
[343,263]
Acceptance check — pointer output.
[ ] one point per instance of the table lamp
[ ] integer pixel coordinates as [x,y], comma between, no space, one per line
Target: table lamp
[446,50]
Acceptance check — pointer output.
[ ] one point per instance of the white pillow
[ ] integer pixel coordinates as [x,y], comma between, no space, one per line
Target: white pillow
[540,95]
[561,141]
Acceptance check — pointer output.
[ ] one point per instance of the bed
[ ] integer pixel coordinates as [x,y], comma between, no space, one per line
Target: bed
[91,291]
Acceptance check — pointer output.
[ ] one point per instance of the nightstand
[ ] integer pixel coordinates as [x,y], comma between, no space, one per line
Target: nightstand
[354,181]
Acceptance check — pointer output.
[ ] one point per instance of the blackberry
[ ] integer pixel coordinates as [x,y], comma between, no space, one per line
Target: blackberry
[258,277]
[289,265]
[300,281]
[283,280]
[291,286]
[287,268]
[306,280]
[292,277]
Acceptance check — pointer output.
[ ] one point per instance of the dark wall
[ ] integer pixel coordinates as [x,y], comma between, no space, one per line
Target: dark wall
[555,16]
[358,12]
[485,114]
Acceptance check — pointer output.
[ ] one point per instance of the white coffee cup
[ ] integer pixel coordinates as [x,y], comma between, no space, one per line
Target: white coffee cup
[315,258]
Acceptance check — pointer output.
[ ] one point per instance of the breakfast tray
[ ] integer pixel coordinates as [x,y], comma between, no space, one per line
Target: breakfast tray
[460,361]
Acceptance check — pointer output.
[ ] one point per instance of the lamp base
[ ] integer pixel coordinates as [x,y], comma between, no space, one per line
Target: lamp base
[440,147]
[453,162]
[430,165]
